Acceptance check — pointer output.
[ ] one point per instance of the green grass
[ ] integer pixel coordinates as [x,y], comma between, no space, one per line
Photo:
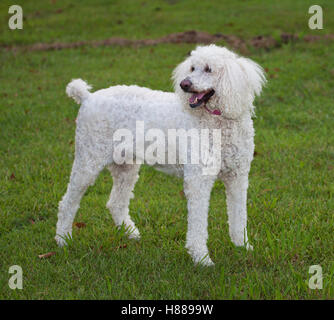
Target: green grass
[290,203]
[66,20]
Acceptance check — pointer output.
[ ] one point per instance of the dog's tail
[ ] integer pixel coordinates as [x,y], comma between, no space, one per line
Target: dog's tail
[78,90]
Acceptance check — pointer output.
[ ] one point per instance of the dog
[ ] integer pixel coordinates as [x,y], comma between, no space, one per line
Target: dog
[214,89]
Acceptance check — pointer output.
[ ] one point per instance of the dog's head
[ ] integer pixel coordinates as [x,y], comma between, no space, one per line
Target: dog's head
[218,80]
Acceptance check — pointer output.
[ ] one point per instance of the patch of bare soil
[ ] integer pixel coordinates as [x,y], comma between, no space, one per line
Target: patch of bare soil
[193,36]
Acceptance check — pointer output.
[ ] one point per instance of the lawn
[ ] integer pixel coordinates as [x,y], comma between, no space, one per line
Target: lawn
[291,192]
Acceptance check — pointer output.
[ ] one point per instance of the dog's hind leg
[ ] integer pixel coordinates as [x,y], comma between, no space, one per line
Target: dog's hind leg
[124,179]
[82,176]
[236,198]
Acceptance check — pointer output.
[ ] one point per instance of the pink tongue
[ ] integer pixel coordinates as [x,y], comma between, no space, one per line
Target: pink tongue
[199,96]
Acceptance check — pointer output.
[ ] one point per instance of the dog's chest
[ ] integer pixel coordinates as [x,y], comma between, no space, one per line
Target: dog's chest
[237,145]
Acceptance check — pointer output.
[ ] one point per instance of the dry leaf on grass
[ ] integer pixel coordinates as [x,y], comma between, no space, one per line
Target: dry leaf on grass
[80,224]
[122,246]
[46,255]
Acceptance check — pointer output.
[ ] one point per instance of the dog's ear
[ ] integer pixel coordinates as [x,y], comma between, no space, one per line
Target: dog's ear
[254,75]
[232,89]
[240,80]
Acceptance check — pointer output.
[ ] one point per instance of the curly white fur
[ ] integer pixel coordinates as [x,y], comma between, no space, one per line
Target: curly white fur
[78,90]
[236,81]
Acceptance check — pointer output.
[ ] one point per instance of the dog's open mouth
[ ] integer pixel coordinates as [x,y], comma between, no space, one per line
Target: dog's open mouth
[198,98]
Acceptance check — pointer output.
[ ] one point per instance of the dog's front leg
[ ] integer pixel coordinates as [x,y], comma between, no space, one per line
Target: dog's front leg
[197,188]
[236,197]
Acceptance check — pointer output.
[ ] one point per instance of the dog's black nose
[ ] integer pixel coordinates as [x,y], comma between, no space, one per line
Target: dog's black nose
[186,84]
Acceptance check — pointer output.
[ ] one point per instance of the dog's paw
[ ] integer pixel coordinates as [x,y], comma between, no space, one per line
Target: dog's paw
[133,233]
[203,260]
[200,255]
[242,244]
[60,241]
[249,247]
[206,262]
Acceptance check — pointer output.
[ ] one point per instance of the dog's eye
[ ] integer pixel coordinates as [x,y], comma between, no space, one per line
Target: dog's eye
[207,69]
[192,68]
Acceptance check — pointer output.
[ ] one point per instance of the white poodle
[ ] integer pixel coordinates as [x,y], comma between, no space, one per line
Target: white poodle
[214,89]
